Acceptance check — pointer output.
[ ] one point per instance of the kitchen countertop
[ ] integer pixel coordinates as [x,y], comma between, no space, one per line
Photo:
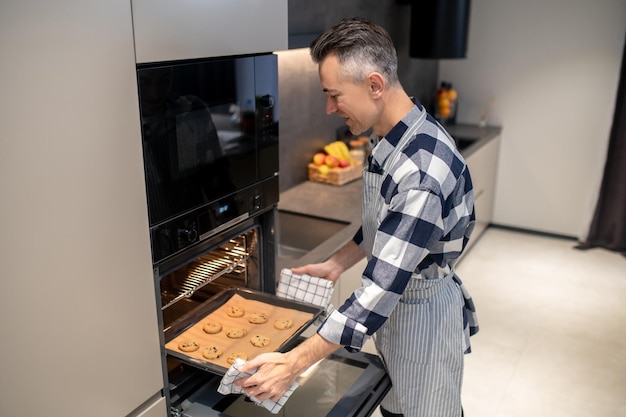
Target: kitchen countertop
[344,202]
[472,137]
[327,201]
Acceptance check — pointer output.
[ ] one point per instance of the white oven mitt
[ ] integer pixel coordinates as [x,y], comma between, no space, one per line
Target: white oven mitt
[228,387]
[306,288]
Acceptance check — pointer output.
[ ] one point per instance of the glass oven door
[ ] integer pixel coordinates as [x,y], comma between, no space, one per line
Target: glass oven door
[342,385]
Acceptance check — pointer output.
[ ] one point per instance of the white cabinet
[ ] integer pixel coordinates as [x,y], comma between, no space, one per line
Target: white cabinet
[483,165]
[79,320]
[168,30]
[156,409]
[350,280]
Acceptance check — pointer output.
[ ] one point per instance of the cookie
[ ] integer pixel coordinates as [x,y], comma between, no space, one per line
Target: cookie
[188,345]
[283,324]
[236,333]
[260,340]
[233,356]
[257,318]
[212,352]
[212,327]
[234,311]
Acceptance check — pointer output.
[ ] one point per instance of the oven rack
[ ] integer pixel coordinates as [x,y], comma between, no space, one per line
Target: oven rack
[229,258]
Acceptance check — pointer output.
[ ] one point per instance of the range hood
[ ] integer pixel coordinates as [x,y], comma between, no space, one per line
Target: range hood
[439,28]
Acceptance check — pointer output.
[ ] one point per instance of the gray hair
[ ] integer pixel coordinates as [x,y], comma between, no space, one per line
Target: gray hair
[362,47]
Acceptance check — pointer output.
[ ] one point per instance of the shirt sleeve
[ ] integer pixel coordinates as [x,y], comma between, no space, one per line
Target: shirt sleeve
[358,237]
[411,225]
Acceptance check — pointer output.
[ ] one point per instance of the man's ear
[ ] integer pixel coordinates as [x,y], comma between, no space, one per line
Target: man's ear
[376,84]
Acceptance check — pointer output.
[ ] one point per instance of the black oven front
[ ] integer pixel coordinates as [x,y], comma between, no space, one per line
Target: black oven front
[210,145]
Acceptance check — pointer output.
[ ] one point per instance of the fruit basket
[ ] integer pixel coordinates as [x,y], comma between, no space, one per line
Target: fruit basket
[335,165]
[336,176]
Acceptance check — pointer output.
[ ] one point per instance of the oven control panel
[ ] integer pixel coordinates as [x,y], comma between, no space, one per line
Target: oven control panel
[173,236]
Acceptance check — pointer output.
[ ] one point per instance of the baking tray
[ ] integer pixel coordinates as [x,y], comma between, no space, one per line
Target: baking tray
[252,301]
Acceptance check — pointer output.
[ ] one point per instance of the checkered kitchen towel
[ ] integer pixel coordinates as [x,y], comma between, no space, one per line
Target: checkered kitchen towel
[305,288]
[227,386]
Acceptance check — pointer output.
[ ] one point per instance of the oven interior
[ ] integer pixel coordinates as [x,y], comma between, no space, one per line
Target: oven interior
[226,261]
[233,263]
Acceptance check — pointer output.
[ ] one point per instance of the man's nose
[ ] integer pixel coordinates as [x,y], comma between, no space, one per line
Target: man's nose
[330,106]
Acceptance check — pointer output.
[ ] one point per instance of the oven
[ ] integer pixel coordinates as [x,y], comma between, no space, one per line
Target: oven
[210,143]
[210,137]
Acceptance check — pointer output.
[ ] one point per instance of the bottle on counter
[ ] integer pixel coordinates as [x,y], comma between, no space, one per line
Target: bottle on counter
[360,148]
[446,101]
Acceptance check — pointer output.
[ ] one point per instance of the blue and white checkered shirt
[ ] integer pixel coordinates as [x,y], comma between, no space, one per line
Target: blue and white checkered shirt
[427,216]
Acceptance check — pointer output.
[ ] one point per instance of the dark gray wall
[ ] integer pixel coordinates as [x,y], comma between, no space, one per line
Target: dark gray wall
[304,126]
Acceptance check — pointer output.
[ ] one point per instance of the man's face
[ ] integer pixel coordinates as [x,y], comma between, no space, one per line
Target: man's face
[351,101]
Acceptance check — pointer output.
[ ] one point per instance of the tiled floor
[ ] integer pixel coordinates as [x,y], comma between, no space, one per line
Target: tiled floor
[553,328]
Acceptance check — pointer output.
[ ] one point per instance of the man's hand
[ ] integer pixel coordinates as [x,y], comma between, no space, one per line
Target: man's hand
[332,268]
[322,270]
[274,376]
[277,371]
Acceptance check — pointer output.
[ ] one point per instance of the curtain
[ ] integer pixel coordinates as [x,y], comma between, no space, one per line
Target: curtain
[608,227]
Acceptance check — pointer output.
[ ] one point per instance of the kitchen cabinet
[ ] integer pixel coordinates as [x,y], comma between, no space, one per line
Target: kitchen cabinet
[483,165]
[156,409]
[480,146]
[307,19]
[79,320]
[189,29]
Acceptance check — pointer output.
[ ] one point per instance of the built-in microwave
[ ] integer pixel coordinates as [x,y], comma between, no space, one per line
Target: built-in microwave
[210,145]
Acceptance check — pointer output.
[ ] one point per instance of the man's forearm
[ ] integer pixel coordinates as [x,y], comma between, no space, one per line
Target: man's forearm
[347,256]
[334,266]
[312,350]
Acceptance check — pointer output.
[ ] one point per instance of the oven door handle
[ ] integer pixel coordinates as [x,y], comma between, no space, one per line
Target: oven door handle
[224,226]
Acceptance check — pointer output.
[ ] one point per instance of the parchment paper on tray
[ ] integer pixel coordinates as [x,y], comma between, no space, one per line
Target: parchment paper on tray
[229,345]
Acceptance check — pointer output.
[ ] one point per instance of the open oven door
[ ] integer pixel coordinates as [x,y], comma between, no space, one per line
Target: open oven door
[342,385]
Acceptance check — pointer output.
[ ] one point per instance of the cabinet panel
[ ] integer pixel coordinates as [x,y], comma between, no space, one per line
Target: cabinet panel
[156,409]
[75,252]
[187,29]
[350,280]
[483,164]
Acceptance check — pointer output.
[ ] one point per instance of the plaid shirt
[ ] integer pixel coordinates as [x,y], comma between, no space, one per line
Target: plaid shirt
[427,216]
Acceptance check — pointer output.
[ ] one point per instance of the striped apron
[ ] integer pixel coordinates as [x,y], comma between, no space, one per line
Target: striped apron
[422,342]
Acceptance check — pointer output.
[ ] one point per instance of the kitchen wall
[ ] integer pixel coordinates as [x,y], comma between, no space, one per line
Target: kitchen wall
[304,125]
[552,69]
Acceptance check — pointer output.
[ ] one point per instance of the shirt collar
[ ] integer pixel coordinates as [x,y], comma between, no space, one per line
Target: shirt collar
[382,147]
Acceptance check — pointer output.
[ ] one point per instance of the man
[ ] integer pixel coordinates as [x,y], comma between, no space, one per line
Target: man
[418,214]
